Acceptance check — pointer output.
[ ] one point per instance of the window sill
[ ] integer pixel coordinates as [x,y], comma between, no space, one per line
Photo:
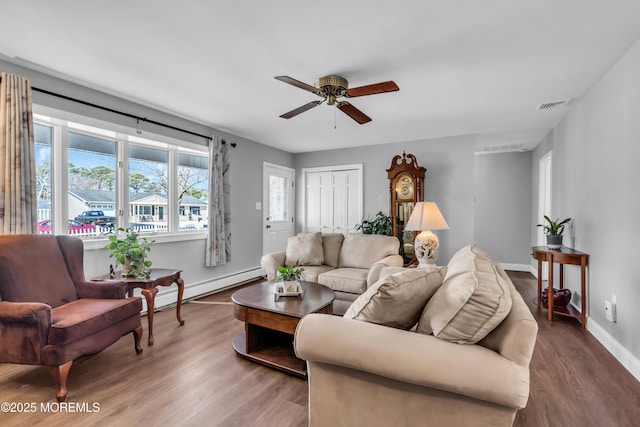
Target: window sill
[100,242]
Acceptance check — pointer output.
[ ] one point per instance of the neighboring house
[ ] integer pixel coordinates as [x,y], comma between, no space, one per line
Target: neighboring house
[142,207]
[86,200]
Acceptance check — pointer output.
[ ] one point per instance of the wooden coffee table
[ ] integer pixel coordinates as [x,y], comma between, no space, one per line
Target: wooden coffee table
[270,323]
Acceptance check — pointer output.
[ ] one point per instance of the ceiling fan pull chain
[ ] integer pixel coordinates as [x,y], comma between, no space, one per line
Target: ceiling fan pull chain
[335,115]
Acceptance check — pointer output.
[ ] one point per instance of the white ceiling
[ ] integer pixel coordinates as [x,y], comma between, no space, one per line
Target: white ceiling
[463,66]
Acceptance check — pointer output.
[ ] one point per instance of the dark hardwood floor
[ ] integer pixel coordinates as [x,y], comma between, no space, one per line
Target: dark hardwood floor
[192,377]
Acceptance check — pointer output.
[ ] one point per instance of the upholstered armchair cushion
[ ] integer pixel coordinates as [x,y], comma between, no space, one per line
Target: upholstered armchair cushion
[85,317]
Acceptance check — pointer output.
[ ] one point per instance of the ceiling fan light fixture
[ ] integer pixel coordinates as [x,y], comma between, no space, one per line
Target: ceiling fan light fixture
[333,87]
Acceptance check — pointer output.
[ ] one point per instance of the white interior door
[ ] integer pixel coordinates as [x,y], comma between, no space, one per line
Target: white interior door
[332,199]
[278,200]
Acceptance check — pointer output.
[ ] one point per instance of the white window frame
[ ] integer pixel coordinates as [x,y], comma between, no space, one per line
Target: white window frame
[62,122]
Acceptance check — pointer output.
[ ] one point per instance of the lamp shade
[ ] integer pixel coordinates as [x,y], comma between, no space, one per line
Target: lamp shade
[426,216]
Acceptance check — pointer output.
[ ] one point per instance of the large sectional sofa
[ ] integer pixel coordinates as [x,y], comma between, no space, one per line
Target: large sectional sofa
[347,264]
[449,346]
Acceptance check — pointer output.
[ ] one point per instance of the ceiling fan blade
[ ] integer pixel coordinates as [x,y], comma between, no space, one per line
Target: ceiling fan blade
[298,83]
[301,109]
[383,87]
[354,113]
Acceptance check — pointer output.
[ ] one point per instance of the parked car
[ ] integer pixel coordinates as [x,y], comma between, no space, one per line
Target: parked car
[74,226]
[95,217]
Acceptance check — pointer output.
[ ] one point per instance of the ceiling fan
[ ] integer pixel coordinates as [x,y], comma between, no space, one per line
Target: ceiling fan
[333,87]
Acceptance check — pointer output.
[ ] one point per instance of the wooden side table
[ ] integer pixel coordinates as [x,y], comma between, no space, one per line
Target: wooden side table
[149,286]
[561,256]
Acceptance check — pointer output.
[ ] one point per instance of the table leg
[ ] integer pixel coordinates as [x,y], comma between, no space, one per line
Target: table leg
[180,284]
[150,297]
[561,268]
[539,283]
[583,288]
[550,291]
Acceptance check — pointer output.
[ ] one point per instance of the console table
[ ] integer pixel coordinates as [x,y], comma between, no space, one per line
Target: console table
[149,286]
[561,256]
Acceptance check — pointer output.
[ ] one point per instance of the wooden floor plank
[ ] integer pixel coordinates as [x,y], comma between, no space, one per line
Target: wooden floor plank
[192,376]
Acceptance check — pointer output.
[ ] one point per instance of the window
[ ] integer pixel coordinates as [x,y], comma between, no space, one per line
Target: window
[278,191]
[42,139]
[148,189]
[193,186]
[152,185]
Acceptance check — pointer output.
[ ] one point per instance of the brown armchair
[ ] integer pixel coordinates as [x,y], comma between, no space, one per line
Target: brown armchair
[49,314]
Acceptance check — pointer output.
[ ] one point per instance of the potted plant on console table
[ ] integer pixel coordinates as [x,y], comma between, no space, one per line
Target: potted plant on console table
[554,230]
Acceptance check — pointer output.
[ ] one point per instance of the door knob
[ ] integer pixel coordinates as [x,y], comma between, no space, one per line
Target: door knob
[267,226]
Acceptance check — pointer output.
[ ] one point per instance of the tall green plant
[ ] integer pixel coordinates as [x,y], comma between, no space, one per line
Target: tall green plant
[380,224]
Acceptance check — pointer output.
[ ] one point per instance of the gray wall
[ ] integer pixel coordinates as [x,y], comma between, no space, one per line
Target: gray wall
[595,177]
[449,181]
[246,181]
[503,206]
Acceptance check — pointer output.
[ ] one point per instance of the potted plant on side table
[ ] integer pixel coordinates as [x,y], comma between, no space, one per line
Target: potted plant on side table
[553,230]
[130,251]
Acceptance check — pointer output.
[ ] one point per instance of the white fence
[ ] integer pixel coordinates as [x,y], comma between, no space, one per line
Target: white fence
[147,228]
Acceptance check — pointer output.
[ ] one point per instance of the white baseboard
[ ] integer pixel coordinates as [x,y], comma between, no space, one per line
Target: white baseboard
[514,267]
[628,360]
[617,350]
[168,296]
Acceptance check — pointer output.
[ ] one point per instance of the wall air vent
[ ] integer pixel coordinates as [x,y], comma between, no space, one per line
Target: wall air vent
[507,148]
[553,104]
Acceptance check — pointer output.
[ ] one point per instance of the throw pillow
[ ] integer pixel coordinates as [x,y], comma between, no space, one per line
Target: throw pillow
[473,299]
[397,300]
[304,248]
[331,245]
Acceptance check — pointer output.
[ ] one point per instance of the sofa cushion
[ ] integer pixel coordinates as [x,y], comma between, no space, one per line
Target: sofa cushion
[304,248]
[351,280]
[397,300]
[473,299]
[311,272]
[85,317]
[363,250]
[331,246]
[32,268]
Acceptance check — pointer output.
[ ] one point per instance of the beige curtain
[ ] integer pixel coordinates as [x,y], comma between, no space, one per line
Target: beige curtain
[18,200]
[218,251]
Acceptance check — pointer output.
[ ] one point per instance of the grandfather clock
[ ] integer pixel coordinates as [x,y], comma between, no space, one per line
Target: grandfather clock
[406,181]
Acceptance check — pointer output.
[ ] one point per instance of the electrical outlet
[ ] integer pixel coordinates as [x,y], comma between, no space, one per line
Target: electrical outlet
[610,311]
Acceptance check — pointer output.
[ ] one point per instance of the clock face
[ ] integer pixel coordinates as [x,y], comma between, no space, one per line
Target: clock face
[404,188]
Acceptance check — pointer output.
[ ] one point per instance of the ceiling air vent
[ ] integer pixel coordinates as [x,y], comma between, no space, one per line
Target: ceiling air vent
[553,104]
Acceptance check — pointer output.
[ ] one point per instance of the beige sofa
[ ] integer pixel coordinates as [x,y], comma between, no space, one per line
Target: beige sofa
[347,264]
[365,374]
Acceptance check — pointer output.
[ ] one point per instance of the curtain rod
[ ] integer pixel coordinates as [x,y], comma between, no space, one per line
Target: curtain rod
[132,116]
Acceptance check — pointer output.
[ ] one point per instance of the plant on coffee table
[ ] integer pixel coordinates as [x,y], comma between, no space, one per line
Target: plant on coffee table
[290,275]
